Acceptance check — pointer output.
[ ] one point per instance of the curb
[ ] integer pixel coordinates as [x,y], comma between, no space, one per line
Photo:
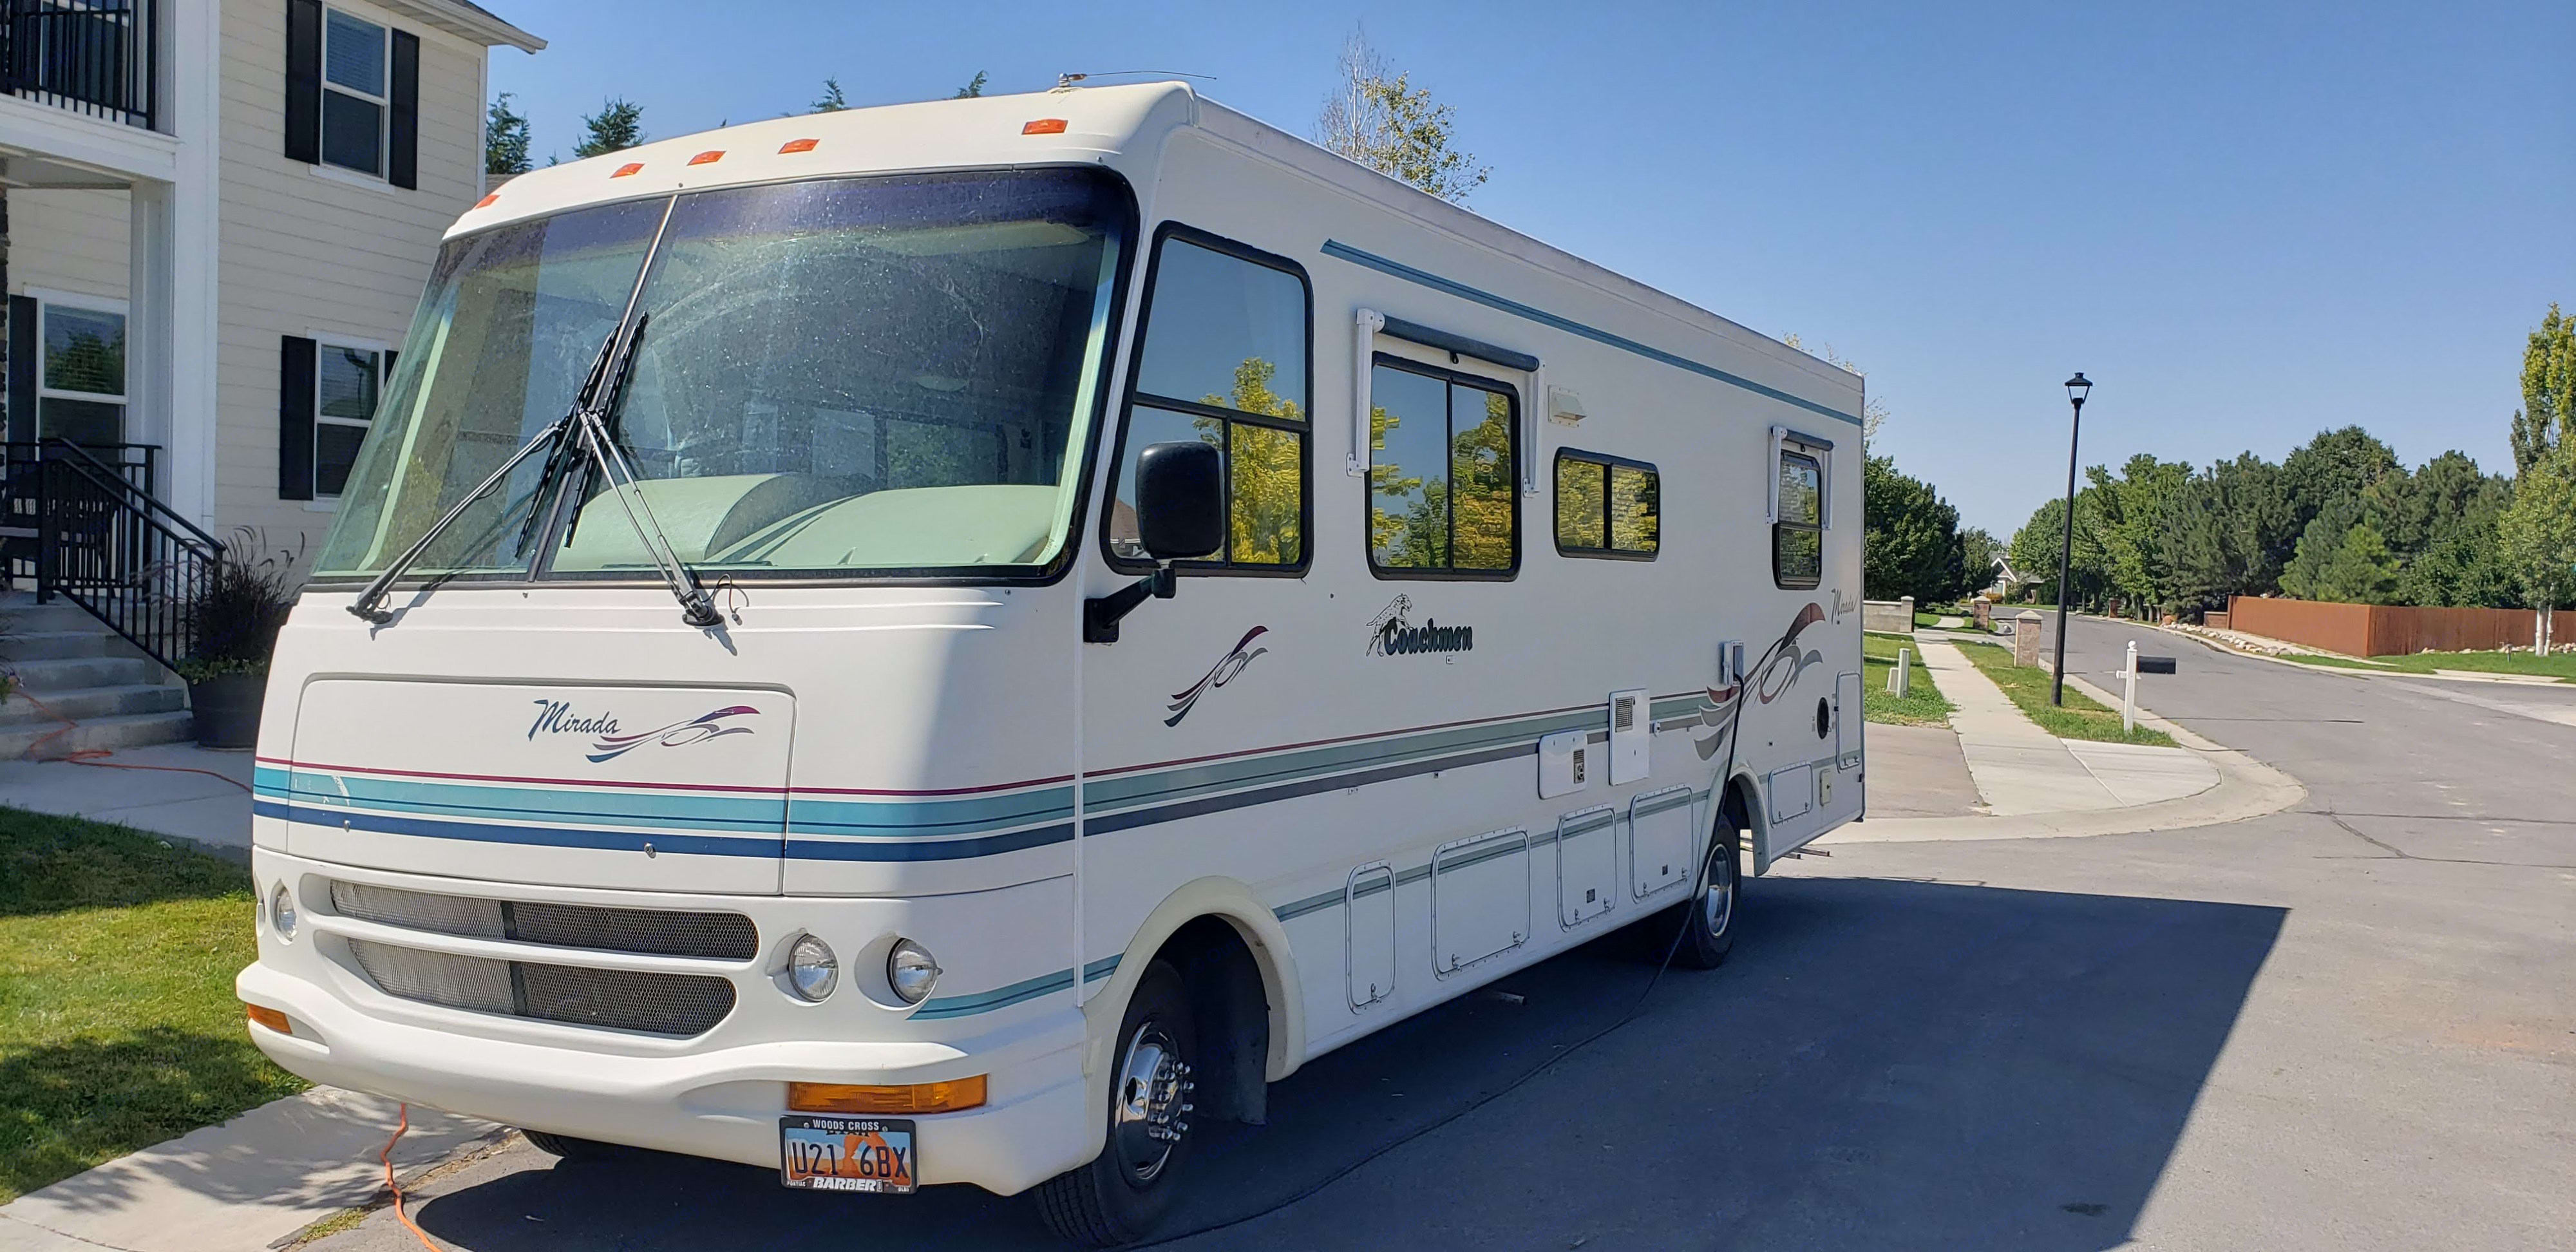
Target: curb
[2214,645]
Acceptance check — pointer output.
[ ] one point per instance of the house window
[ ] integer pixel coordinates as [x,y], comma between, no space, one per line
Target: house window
[355,95]
[1224,361]
[1798,534]
[1444,496]
[1607,506]
[80,383]
[346,382]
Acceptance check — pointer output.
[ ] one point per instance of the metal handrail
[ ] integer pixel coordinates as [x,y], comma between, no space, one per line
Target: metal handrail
[97,57]
[142,499]
[123,557]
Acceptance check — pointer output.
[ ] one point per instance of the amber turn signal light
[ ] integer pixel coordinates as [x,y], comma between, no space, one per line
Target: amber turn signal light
[925,1097]
[262,1015]
[1044,126]
[708,157]
[796,145]
[627,169]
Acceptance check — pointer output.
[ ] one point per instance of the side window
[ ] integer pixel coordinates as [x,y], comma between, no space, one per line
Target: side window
[1798,537]
[1224,361]
[1444,496]
[1607,506]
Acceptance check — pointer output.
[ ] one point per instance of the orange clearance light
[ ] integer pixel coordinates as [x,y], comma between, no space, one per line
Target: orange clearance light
[926,1097]
[630,167]
[796,145]
[487,201]
[709,157]
[261,1015]
[1044,126]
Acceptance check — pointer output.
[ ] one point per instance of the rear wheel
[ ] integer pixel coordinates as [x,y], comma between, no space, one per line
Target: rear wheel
[1706,922]
[1124,1192]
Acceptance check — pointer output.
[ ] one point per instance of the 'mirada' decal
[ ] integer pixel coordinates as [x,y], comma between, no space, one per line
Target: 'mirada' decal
[1220,674]
[1391,635]
[557,717]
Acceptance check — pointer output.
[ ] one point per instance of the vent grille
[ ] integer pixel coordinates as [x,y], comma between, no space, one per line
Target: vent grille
[679,1005]
[651,932]
[1623,713]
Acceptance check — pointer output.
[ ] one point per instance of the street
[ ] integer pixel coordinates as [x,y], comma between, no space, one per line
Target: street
[2349,1024]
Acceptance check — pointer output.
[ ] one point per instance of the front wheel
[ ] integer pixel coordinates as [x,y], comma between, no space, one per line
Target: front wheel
[1706,921]
[1125,1191]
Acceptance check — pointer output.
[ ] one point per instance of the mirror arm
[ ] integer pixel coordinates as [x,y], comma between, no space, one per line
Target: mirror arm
[1100,614]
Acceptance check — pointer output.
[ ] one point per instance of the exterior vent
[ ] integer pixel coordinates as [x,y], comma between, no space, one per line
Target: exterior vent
[1629,733]
[650,932]
[1623,713]
[678,1005]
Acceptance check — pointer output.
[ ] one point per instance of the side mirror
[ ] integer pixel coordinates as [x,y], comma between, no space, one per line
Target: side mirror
[1180,500]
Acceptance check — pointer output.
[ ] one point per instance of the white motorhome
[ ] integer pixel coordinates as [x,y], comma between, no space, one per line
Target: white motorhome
[941,643]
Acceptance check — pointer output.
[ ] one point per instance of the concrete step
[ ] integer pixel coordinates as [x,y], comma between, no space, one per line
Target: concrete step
[85,703]
[72,673]
[132,730]
[50,645]
[19,613]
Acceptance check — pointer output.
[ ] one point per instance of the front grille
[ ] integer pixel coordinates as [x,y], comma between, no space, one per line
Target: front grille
[659,1004]
[653,932]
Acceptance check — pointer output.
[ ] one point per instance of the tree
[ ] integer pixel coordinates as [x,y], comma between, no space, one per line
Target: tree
[1978,552]
[2227,532]
[2536,537]
[617,126]
[2462,570]
[1377,117]
[2337,465]
[2348,566]
[2548,391]
[1910,538]
[831,101]
[1873,412]
[505,139]
[974,87]
[2036,545]
[2133,526]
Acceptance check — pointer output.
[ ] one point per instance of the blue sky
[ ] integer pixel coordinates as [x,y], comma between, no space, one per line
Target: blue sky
[2245,223]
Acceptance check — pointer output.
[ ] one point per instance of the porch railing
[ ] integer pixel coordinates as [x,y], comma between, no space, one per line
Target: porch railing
[98,57]
[107,544]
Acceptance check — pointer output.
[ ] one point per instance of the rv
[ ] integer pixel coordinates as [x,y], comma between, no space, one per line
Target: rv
[950,643]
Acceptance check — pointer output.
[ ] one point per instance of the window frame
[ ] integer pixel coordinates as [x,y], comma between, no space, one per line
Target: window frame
[122,311]
[1606,461]
[323,344]
[1780,521]
[384,102]
[1130,394]
[1368,464]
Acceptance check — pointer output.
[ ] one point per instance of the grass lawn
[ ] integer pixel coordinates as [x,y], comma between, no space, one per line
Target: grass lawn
[1921,705]
[2558,665]
[118,1026]
[1929,618]
[2081,718]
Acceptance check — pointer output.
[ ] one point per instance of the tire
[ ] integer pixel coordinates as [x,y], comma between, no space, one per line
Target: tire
[1124,1193]
[1705,924]
[567,1148]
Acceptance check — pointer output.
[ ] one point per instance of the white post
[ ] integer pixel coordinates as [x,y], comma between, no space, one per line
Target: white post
[1901,678]
[2129,691]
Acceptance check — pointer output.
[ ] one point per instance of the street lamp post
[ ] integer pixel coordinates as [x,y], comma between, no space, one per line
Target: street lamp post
[2076,389]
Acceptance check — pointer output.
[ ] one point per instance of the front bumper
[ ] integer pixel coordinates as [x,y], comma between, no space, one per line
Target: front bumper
[717,1096]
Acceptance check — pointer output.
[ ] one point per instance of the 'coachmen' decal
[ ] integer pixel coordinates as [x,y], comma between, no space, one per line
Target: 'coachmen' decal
[1220,674]
[680,734]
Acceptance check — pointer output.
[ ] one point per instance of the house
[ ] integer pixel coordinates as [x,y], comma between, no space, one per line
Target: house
[215,219]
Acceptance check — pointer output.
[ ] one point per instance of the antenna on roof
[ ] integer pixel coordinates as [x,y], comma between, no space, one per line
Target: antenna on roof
[1065,82]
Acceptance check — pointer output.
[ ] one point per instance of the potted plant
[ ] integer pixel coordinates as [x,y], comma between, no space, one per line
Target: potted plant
[233,619]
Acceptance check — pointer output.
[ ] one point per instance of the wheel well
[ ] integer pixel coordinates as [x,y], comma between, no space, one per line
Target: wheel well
[1740,796]
[1224,986]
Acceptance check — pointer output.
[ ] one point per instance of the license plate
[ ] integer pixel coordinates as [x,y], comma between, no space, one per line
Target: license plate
[847,1154]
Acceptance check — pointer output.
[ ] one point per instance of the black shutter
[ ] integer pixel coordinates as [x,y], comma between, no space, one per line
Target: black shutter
[22,368]
[402,130]
[304,81]
[295,364]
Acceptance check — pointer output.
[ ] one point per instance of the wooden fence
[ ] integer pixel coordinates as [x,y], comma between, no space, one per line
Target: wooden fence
[2385,629]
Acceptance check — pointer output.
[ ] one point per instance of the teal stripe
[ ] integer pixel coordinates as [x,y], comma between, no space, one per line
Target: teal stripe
[1164,786]
[761,814]
[1000,997]
[1336,248]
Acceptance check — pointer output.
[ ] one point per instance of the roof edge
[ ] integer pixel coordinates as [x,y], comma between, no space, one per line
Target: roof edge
[470,21]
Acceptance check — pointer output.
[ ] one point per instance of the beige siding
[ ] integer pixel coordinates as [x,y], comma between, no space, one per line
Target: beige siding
[306,254]
[69,241]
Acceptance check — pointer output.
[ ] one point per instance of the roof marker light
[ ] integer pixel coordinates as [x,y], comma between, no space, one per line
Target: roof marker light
[631,167]
[796,145]
[709,157]
[487,201]
[1044,126]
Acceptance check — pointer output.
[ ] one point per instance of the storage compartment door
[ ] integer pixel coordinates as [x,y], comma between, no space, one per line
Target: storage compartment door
[1659,839]
[1847,720]
[1369,904]
[1587,864]
[1480,899]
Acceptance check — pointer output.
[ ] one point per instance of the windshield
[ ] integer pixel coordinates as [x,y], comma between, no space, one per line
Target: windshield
[880,375]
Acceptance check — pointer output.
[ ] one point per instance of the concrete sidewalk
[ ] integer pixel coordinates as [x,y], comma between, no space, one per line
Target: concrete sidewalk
[2022,769]
[164,798]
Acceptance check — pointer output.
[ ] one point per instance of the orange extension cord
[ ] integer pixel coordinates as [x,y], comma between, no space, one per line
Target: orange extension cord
[95,756]
[387,1156]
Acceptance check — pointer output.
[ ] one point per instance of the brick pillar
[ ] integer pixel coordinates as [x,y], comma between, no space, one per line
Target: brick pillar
[2026,632]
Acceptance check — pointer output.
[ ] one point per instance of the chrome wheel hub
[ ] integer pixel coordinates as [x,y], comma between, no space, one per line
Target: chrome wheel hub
[1152,1103]
[1717,900]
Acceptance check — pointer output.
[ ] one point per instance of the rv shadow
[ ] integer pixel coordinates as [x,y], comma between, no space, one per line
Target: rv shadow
[1883,1063]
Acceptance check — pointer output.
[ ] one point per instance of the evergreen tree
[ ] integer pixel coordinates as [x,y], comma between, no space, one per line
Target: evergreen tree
[974,87]
[617,126]
[831,101]
[505,139]
[1910,543]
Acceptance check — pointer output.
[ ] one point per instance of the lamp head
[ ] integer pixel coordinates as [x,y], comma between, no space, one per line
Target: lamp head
[2078,387]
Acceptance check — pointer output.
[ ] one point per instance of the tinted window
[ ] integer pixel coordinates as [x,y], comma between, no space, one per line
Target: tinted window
[1798,540]
[1442,453]
[1606,507]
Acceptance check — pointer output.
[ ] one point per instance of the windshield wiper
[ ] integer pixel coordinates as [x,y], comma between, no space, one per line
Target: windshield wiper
[608,461]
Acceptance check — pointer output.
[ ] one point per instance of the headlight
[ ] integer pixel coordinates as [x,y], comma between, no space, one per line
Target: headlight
[910,971]
[281,913]
[811,968]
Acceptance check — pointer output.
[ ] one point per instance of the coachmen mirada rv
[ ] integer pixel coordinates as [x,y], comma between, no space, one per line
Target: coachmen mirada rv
[946,643]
